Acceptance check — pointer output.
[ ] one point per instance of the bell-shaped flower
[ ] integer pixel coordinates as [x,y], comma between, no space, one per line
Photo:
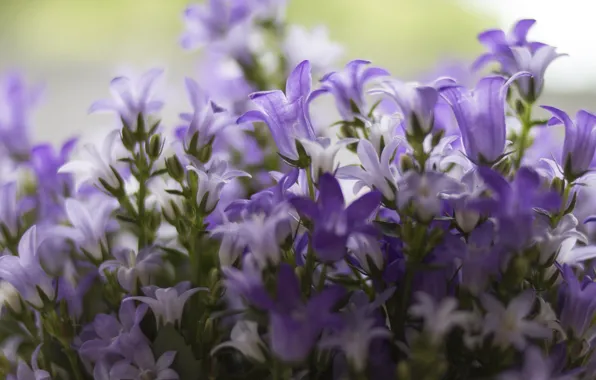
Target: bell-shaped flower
[211,181]
[439,317]
[347,86]
[25,273]
[144,366]
[131,99]
[551,240]
[16,103]
[96,166]
[577,305]
[425,192]
[205,122]
[379,173]
[323,154]
[509,324]
[90,225]
[245,338]
[131,266]
[580,141]
[167,304]
[480,114]
[111,334]
[535,63]
[24,372]
[333,221]
[382,131]
[416,102]
[313,45]
[11,209]
[286,114]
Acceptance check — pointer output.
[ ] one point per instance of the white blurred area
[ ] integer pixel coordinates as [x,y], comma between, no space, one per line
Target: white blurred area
[567,24]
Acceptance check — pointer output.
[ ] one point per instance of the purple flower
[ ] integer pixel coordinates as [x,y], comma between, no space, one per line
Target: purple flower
[90,224]
[480,115]
[16,103]
[144,366]
[580,140]
[577,304]
[333,222]
[295,325]
[508,324]
[416,102]
[535,63]
[347,86]
[536,367]
[131,99]
[206,120]
[285,114]
[424,192]
[11,209]
[131,266]
[24,372]
[115,335]
[167,304]
[73,292]
[24,271]
[322,154]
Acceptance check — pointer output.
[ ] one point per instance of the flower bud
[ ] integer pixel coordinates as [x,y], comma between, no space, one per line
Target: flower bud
[175,168]
[155,147]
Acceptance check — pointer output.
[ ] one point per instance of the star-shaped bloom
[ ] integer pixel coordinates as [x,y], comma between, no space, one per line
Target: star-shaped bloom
[245,338]
[439,317]
[131,266]
[24,372]
[144,366]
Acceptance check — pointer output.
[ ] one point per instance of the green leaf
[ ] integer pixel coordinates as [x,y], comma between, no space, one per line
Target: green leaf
[388,228]
[185,364]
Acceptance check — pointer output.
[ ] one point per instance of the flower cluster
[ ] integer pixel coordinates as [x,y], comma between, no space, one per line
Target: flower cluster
[432,232]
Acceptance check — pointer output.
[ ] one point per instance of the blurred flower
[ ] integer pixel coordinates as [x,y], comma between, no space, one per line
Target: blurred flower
[24,372]
[577,304]
[439,318]
[245,338]
[313,45]
[144,366]
[131,266]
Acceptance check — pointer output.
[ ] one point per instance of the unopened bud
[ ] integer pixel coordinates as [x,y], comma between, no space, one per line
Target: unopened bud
[174,168]
[155,147]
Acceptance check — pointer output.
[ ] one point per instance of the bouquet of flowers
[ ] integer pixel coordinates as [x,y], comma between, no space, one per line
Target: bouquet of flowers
[431,232]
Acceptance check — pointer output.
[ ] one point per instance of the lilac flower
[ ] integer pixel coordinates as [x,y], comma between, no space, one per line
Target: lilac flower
[322,154]
[206,120]
[115,335]
[131,266]
[577,304]
[439,318]
[416,102]
[580,140]
[24,372]
[347,86]
[333,222]
[247,282]
[25,273]
[167,304]
[131,99]
[383,131]
[535,367]
[377,173]
[313,45]
[295,325]
[88,232]
[286,115]
[10,212]
[96,166]
[467,218]
[480,115]
[508,324]
[16,104]
[424,192]
[72,290]
[211,182]
[144,366]
[245,338]
[550,240]
[535,63]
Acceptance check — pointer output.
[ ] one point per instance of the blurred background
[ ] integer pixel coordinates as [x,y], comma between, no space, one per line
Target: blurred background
[74,47]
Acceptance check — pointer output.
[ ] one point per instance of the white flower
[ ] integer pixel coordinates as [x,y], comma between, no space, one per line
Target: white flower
[322,154]
[245,338]
[315,46]
[165,201]
[382,131]
[439,318]
[364,246]
[550,240]
[95,164]
[508,324]
[9,296]
[167,304]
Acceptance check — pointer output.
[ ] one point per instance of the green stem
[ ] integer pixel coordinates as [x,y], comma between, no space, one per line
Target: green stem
[526,121]
[74,363]
[311,185]
[142,178]
[564,201]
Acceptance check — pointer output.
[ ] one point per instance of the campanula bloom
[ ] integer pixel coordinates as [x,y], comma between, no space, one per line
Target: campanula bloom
[286,114]
[24,372]
[313,45]
[382,131]
[333,221]
[439,317]
[167,304]
[535,367]
[111,334]
[24,271]
[550,241]
[577,304]
[480,114]
[347,86]
[131,98]
[580,141]
[509,325]
[10,212]
[17,101]
[245,338]
[131,266]
[535,63]
[416,102]
[144,365]
[323,154]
